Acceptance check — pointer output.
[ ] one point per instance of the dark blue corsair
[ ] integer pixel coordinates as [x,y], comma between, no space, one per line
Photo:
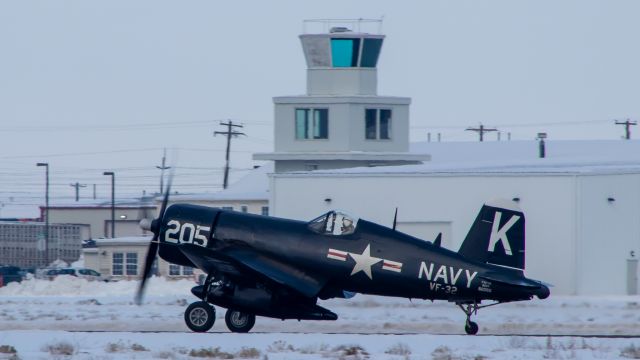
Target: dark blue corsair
[273,267]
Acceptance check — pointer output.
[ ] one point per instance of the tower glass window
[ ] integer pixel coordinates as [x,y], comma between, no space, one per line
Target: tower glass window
[370,52]
[312,123]
[377,124]
[344,52]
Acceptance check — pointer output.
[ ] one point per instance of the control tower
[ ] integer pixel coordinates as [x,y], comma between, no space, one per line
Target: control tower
[341,121]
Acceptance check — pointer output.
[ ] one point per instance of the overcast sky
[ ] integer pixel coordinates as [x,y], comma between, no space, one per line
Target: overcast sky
[90,86]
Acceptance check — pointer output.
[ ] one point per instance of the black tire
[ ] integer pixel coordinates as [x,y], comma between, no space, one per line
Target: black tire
[200,316]
[238,321]
[471,328]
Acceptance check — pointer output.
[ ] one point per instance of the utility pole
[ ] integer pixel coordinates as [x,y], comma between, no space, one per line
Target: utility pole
[627,127]
[77,185]
[481,130]
[94,191]
[162,169]
[229,133]
[46,214]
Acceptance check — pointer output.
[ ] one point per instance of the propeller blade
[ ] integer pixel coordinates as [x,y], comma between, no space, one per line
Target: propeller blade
[151,257]
[152,252]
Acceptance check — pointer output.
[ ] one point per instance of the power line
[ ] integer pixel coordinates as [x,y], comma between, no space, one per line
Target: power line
[533,124]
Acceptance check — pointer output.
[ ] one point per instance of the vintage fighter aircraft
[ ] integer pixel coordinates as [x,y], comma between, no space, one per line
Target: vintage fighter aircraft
[279,268]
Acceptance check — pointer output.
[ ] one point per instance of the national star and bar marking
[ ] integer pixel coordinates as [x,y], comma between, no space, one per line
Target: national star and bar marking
[364,261]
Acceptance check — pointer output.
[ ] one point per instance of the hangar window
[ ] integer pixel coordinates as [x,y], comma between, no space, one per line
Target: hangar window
[334,223]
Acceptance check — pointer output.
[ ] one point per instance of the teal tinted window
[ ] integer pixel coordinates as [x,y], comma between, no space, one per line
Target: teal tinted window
[370,52]
[301,123]
[344,52]
[312,123]
[320,123]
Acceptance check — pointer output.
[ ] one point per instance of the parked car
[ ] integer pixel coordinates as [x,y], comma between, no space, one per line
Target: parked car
[10,274]
[88,274]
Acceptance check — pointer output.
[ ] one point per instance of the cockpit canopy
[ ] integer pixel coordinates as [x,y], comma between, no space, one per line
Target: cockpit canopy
[334,223]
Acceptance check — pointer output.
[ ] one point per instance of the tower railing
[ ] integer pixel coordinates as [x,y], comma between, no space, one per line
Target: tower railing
[319,26]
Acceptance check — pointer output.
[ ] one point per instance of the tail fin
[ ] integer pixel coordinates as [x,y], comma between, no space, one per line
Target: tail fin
[497,235]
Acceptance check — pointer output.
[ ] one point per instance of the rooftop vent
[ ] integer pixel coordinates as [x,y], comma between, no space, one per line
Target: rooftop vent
[339,29]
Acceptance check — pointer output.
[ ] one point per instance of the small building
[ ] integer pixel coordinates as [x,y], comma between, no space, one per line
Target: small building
[123,259]
[24,244]
[97,214]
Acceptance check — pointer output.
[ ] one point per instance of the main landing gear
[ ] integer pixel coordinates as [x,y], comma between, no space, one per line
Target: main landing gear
[200,316]
[238,321]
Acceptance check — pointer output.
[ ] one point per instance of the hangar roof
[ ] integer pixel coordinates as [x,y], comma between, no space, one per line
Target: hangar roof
[587,157]
[253,186]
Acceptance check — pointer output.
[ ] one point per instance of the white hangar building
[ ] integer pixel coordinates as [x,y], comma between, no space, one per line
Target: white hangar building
[343,146]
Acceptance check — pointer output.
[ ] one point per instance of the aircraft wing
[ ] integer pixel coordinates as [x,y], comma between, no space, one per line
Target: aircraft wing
[236,261]
[207,263]
[279,272]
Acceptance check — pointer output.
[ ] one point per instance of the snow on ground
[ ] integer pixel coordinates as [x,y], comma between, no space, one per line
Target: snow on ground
[36,318]
[43,344]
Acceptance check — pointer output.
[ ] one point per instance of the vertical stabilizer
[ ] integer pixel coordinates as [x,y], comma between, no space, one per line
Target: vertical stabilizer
[497,235]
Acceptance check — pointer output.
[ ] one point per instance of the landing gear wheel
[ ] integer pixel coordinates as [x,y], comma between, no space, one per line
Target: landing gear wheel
[200,316]
[238,321]
[471,328]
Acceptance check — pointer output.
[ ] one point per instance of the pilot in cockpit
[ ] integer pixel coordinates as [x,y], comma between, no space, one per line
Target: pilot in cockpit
[347,226]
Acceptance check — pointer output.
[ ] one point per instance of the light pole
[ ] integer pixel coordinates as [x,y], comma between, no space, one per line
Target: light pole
[46,213]
[113,201]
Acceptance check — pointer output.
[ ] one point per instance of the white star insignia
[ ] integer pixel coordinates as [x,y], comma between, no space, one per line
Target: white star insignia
[364,262]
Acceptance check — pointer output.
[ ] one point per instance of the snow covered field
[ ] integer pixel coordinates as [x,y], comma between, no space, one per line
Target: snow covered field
[43,318]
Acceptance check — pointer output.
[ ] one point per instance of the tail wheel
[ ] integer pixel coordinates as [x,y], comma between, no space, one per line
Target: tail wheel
[471,328]
[239,322]
[200,316]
